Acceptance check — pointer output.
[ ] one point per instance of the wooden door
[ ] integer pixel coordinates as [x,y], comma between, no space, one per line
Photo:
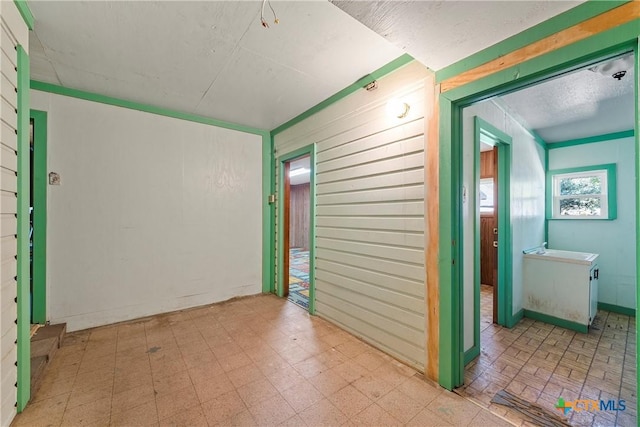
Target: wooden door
[489,228]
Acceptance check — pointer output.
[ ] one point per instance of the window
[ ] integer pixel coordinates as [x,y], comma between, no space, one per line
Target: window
[582,193]
[486,196]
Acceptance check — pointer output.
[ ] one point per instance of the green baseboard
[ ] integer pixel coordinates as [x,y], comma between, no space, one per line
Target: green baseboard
[513,321]
[552,320]
[627,311]
[471,354]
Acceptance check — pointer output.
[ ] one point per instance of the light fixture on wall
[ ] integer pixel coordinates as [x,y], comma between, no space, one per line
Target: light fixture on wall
[397,108]
[299,171]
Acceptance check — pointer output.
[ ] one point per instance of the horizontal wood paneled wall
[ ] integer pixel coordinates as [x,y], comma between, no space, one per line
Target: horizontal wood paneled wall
[13,32]
[370,213]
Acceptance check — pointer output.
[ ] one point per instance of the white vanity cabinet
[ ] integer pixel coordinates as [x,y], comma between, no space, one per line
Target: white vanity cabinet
[561,287]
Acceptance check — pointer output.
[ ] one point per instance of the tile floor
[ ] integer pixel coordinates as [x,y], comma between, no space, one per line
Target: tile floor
[252,361]
[541,362]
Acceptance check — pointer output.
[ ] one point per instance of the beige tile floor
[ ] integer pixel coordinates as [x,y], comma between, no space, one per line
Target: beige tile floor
[252,361]
[541,362]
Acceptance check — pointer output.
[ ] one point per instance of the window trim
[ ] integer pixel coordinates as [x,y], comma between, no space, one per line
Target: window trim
[610,192]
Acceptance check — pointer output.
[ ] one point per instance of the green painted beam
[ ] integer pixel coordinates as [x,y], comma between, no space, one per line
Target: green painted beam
[24,285]
[103,99]
[596,48]
[39,256]
[549,27]
[380,72]
[25,12]
[591,139]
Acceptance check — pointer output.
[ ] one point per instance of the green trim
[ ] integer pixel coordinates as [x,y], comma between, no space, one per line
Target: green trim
[25,12]
[451,359]
[636,50]
[547,28]
[612,187]
[103,99]
[486,131]
[267,213]
[24,282]
[612,42]
[627,311]
[312,230]
[39,256]
[546,203]
[361,83]
[538,139]
[272,234]
[518,316]
[309,150]
[471,354]
[598,138]
[594,49]
[552,320]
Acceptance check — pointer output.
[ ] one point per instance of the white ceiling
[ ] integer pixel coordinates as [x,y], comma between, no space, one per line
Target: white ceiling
[576,105]
[213,58]
[209,58]
[439,33]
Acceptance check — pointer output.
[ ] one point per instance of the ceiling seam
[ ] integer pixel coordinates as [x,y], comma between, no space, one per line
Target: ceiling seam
[225,66]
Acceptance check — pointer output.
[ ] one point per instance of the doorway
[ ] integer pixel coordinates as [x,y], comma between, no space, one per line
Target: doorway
[299,222]
[487,292]
[296,236]
[38,216]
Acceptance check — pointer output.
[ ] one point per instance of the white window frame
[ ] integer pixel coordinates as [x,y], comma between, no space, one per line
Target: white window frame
[606,173]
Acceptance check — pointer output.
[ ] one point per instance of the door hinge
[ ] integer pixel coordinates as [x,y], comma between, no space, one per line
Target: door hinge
[272,198]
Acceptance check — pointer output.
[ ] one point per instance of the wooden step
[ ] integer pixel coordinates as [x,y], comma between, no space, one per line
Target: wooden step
[45,342]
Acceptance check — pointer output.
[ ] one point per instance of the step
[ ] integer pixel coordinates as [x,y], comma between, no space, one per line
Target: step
[45,342]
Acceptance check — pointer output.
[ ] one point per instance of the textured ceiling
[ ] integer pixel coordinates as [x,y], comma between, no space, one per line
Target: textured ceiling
[210,58]
[439,33]
[580,104]
[214,58]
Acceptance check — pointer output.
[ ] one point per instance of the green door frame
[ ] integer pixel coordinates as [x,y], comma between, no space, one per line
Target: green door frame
[39,256]
[486,132]
[23,274]
[623,38]
[309,150]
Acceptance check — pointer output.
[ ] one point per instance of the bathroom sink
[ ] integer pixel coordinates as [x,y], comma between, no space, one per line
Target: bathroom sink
[567,256]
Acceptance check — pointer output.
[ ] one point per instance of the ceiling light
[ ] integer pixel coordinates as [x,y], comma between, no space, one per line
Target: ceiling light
[397,108]
[299,171]
[616,68]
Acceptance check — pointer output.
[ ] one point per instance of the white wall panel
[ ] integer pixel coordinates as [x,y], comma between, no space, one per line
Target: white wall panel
[527,202]
[153,213]
[370,275]
[613,240]
[13,32]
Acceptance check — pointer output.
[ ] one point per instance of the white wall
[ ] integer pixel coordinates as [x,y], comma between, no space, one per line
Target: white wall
[613,240]
[153,213]
[14,32]
[527,202]
[370,274]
